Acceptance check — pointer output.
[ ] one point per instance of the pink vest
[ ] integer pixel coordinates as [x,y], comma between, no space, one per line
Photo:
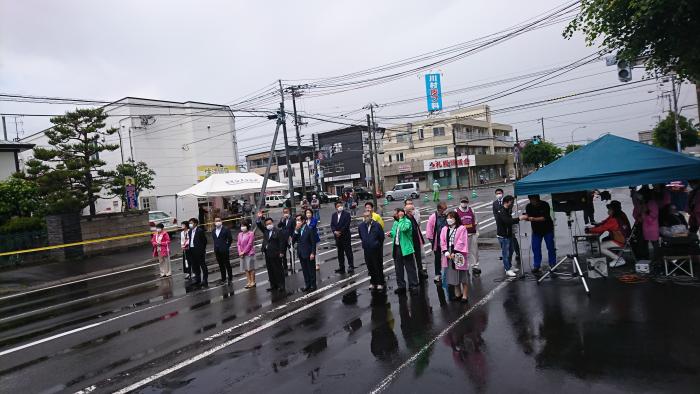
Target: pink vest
[468,217]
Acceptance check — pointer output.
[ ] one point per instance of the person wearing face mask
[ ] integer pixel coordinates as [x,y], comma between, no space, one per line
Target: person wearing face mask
[372,237]
[416,212]
[436,222]
[504,233]
[312,222]
[273,247]
[514,245]
[286,225]
[340,225]
[305,239]
[245,243]
[222,243]
[467,217]
[454,246]
[161,249]
[197,252]
[401,235]
[184,244]
[316,207]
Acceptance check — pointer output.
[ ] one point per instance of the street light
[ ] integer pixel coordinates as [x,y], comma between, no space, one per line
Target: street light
[572,132]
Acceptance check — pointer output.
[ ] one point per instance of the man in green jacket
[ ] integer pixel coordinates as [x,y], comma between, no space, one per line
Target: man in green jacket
[436,190]
[401,236]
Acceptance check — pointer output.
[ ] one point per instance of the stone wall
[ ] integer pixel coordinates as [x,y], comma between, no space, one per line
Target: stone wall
[63,229]
[111,225]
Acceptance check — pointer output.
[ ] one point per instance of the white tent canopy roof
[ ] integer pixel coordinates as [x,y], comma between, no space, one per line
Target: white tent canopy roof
[231,184]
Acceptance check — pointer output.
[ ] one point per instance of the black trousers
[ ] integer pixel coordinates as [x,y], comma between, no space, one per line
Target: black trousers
[198,265]
[275,270]
[224,259]
[588,216]
[308,269]
[344,250]
[438,262]
[408,263]
[375,266]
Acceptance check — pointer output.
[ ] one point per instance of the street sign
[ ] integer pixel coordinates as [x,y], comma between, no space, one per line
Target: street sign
[433,92]
[317,161]
[129,180]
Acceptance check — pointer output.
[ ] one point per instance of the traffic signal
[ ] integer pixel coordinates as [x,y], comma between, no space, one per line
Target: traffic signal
[624,71]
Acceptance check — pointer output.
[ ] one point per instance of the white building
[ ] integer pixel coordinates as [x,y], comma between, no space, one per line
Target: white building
[181,142]
[9,157]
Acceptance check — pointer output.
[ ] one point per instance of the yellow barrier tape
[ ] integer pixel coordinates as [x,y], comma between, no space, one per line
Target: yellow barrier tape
[94,241]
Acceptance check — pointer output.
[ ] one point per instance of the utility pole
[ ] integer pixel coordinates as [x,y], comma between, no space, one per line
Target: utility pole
[515,162]
[317,177]
[280,120]
[454,149]
[376,151]
[675,113]
[286,152]
[371,160]
[542,122]
[296,126]
[4,128]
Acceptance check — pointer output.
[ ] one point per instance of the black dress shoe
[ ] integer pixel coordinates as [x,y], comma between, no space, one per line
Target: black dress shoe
[271,289]
[205,284]
[340,271]
[351,270]
[400,290]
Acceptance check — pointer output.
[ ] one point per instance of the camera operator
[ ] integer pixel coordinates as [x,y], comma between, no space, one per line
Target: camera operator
[537,212]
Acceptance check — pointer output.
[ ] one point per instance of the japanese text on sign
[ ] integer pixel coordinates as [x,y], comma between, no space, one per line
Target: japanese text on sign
[433,92]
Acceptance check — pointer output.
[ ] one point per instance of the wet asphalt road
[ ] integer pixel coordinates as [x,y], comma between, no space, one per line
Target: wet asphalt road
[135,332]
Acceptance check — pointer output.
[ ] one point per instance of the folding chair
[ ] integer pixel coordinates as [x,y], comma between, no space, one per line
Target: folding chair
[627,247]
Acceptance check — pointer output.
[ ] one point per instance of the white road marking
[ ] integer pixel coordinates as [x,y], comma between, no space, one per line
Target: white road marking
[390,378]
[237,339]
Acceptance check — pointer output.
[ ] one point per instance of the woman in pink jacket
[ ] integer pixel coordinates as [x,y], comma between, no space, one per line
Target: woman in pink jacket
[649,211]
[161,249]
[454,245]
[246,252]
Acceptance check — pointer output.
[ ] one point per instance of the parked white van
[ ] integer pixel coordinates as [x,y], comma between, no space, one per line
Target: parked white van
[274,200]
[402,191]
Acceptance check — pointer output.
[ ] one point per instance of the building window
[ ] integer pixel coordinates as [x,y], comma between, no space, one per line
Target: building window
[438,131]
[401,137]
[420,134]
[399,156]
[440,151]
[389,158]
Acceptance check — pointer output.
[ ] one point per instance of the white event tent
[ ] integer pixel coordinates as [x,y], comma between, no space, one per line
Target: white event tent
[232,183]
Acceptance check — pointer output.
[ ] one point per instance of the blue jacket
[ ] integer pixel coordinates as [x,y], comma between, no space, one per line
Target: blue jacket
[372,235]
[223,242]
[342,225]
[305,239]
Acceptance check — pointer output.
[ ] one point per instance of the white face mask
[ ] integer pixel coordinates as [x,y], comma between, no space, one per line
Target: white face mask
[244,228]
[217,224]
[464,205]
[286,215]
[158,229]
[191,225]
[314,197]
[269,227]
[340,209]
[450,222]
[499,196]
[299,222]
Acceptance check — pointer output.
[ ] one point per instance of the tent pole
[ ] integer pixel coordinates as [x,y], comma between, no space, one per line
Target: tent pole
[261,200]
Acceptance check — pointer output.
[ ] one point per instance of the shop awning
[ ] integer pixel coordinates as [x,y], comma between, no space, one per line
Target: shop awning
[610,161]
[229,184]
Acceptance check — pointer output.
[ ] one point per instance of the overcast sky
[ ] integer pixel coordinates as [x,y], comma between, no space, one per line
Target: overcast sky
[218,51]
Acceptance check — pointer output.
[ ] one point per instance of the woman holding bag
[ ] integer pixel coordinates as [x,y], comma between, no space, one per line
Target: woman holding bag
[454,245]
[161,249]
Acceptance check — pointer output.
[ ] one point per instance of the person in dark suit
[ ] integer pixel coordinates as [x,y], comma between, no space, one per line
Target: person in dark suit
[305,239]
[498,204]
[222,245]
[273,246]
[372,237]
[286,225]
[340,225]
[197,252]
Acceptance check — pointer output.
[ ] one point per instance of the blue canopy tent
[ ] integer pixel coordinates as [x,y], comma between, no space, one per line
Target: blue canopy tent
[609,162]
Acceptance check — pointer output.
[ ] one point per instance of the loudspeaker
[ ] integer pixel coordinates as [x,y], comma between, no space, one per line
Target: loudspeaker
[569,202]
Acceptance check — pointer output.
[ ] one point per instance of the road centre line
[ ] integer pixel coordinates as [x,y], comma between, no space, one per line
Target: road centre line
[392,376]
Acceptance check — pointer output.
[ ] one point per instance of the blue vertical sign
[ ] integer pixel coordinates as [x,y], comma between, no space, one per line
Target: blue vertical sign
[433,92]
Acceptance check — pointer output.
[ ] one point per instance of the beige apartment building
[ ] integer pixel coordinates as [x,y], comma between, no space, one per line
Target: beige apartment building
[424,151]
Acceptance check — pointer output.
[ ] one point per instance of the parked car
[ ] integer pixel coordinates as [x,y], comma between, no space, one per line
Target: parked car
[322,196]
[361,192]
[157,217]
[274,200]
[403,191]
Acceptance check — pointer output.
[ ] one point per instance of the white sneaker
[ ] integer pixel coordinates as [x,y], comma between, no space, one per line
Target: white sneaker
[617,263]
[510,273]
[515,269]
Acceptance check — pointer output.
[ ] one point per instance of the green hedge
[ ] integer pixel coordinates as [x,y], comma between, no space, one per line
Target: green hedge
[22,224]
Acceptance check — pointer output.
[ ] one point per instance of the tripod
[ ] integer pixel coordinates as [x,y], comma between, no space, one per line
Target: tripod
[576,267]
